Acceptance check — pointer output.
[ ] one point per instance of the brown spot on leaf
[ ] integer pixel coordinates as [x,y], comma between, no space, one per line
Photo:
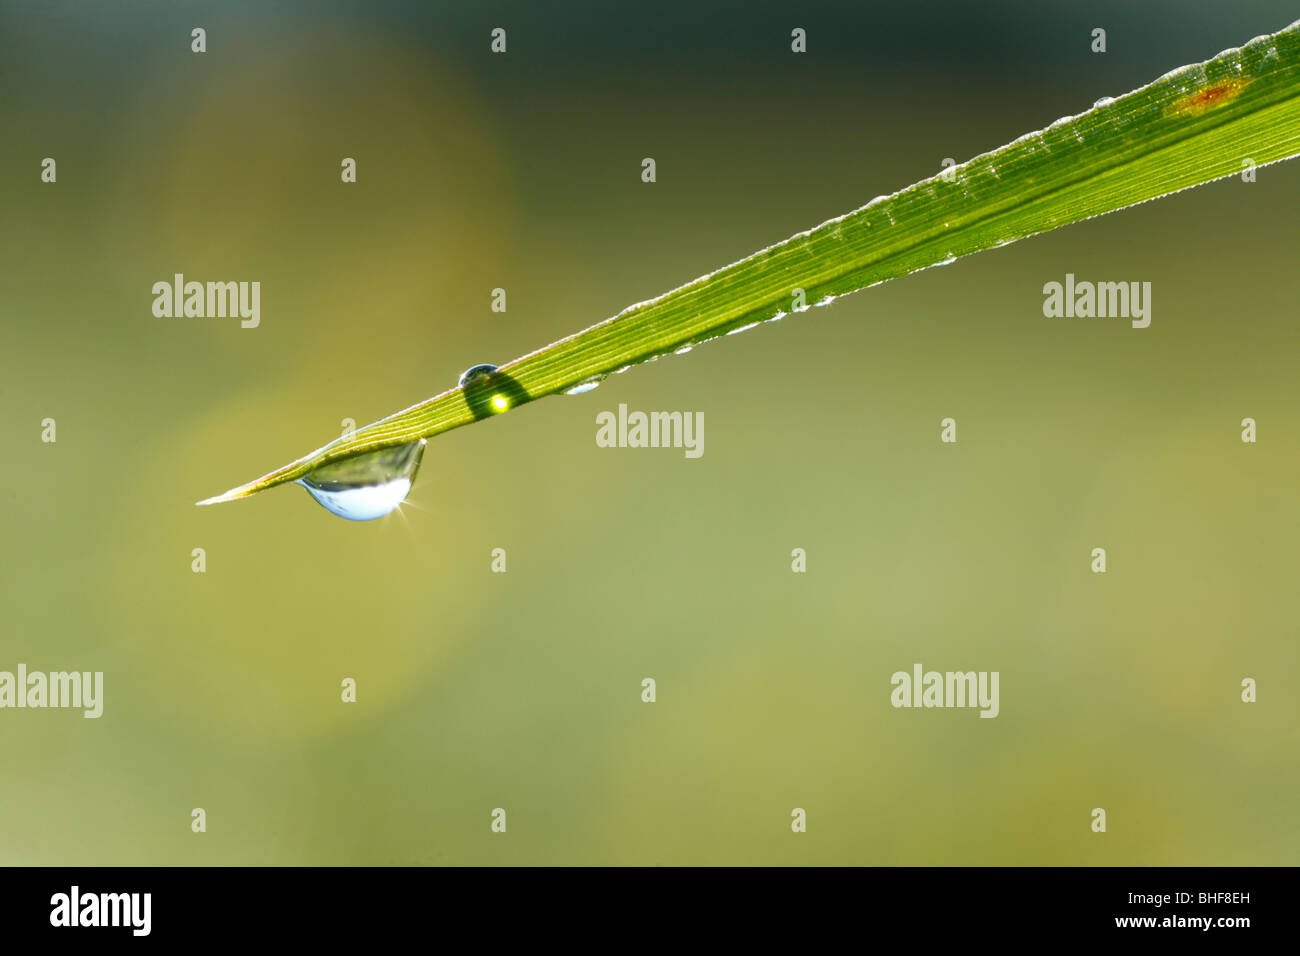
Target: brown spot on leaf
[1198,102]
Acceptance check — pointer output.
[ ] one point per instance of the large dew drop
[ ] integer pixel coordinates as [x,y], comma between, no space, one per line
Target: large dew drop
[366,486]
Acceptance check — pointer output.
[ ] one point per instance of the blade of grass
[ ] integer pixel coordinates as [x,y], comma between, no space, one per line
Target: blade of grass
[1191,126]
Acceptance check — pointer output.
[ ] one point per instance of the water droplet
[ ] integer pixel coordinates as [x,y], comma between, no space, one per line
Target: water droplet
[684,349]
[947,260]
[1104,101]
[585,386]
[777,318]
[475,372]
[366,486]
[743,328]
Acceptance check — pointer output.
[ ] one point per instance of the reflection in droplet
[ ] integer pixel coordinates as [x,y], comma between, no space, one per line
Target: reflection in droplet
[473,372]
[586,385]
[366,486]
[1104,101]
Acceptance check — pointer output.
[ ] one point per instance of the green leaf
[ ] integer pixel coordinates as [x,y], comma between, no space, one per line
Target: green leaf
[1191,126]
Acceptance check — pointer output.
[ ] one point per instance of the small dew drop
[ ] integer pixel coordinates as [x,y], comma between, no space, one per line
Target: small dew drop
[1104,101]
[743,328]
[586,386]
[777,318]
[683,350]
[475,372]
[366,486]
[947,260]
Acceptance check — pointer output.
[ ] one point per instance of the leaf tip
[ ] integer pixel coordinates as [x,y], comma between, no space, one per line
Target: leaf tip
[231,495]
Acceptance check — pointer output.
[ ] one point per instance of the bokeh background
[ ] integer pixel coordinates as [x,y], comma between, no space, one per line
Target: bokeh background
[522,690]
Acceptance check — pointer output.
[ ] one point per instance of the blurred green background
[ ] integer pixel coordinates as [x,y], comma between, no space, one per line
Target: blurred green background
[522,690]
